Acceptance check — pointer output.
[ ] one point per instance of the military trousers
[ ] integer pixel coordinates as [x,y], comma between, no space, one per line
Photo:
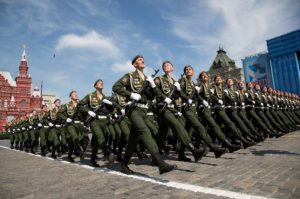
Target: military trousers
[222,117]
[233,113]
[206,116]
[256,119]
[53,137]
[169,120]
[193,121]
[140,131]
[43,136]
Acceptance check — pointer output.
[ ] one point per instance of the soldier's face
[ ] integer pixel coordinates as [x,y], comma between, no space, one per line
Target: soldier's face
[189,72]
[45,108]
[270,90]
[229,82]
[74,96]
[204,77]
[99,85]
[218,81]
[257,87]
[34,113]
[57,103]
[168,68]
[241,85]
[249,85]
[139,63]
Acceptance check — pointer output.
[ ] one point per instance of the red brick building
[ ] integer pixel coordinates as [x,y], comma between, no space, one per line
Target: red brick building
[15,95]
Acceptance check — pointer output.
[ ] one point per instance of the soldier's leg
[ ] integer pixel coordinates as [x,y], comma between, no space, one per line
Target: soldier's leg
[11,138]
[124,126]
[151,126]
[73,141]
[42,134]
[240,123]
[273,121]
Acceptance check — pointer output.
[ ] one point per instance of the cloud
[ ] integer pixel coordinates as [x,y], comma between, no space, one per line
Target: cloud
[92,41]
[241,27]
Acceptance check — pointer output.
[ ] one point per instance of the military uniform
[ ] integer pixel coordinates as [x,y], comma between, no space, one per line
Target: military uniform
[126,86]
[99,125]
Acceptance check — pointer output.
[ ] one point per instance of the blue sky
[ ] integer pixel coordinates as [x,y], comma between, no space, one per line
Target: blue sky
[97,39]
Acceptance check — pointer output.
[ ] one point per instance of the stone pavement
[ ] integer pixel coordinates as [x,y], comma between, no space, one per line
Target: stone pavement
[270,169]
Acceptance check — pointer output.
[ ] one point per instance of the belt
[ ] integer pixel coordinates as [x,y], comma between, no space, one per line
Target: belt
[150,113]
[170,105]
[102,117]
[57,125]
[77,122]
[30,127]
[192,104]
[142,105]
[46,127]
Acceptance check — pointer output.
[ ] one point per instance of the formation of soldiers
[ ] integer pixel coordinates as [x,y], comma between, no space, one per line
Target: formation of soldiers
[158,114]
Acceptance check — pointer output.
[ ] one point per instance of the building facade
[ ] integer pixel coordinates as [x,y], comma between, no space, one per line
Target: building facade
[284,54]
[257,69]
[48,100]
[15,95]
[224,66]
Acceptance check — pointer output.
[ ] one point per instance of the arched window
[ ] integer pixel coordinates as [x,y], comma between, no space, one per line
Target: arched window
[23,103]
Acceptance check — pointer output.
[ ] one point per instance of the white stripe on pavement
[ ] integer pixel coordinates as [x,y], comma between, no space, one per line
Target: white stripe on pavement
[164,182]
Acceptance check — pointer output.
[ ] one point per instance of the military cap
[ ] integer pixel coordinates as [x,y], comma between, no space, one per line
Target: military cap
[136,57]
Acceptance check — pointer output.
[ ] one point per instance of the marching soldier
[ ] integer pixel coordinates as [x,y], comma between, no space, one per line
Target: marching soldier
[188,94]
[132,87]
[68,113]
[205,111]
[43,128]
[97,106]
[167,87]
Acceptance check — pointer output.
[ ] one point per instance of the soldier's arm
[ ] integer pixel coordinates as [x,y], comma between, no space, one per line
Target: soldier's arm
[160,96]
[182,94]
[82,106]
[120,86]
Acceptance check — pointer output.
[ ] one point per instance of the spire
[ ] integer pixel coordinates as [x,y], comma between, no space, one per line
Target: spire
[24,53]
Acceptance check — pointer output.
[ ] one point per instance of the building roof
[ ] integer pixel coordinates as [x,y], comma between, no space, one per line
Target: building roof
[222,60]
[7,76]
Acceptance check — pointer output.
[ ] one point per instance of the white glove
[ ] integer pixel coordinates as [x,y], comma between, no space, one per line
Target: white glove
[39,125]
[23,128]
[151,81]
[220,102]
[168,100]
[243,103]
[205,103]
[123,111]
[106,101]
[246,95]
[261,104]
[253,102]
[212,91]
[179,114]
[197,88]
[237,93]
[190,101]
[226,91]
[50,124]
[115,115]
[92,113]
[135,96]
[69,120]
[177,85]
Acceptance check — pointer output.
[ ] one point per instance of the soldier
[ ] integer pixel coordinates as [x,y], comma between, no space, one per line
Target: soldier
[167,87]
[231,109]
[205,111]
[32,134]
[132,87]
[188,94]
[11,134]
[54,125]
[97,106]
[219,110]
[72,124]
[242,111]
[43,128]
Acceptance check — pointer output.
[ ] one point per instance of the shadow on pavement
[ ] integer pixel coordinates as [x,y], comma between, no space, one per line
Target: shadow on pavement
[273,153]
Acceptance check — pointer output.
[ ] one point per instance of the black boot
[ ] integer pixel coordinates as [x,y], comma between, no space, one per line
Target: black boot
[218,151]
[53,155]
[231,147]
[246,143]
[17,146]
[11,145]
[79,150]
[124,166]
[58,149]
[71,149]
[32,148]
[108,154]
[162,165]
[197,153]
[21,146]
[181,155]
[43,150]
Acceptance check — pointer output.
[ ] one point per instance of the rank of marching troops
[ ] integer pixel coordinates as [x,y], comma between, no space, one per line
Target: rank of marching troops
[155,114]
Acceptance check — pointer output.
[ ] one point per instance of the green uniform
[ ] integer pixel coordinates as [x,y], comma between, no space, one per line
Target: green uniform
[133,83]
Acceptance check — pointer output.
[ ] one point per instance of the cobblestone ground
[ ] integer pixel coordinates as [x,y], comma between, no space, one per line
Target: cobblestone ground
[268,169]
